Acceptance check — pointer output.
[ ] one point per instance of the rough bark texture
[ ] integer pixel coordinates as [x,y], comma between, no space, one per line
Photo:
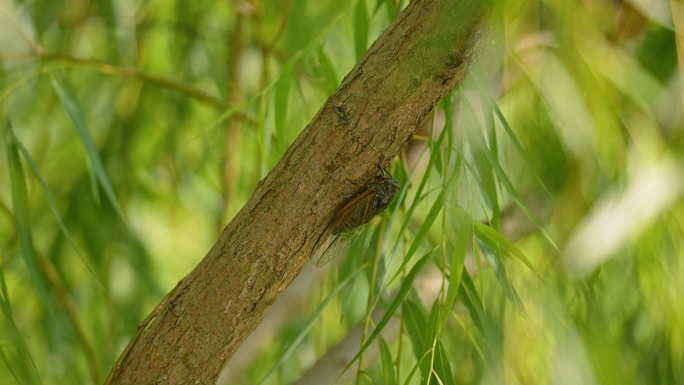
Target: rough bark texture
[420,58]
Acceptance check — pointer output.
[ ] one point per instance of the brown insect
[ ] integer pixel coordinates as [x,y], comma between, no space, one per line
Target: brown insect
[350,220]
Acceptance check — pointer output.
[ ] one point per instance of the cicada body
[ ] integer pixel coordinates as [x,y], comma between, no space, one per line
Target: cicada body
[350,220]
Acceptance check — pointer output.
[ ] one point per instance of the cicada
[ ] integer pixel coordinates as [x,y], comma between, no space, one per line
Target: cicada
[351,219]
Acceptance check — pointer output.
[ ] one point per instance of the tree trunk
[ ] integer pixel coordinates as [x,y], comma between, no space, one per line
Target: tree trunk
[420,58]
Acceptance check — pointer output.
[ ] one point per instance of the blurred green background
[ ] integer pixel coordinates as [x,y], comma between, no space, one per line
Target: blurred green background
[134,130]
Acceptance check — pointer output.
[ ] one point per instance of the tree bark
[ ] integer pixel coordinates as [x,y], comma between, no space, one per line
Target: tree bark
[418,59]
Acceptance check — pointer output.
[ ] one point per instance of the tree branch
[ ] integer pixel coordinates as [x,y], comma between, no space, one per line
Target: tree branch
[418,60]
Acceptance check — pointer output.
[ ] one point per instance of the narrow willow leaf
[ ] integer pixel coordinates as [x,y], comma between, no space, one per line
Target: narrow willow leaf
[282,97]
[22,217]
[430,339]
[478,264]
[442,367]
[472,339]
[429,219]
[53,205]
[484,231]
[416,366]
[26,363]
[457,262]
[511,134]
[484,169]
[67,97]
[505,282]
[331,79]
[474,305]
[403,290]
[309,324]
[507,183]
[387,364]
[360,29]
[416,201]
[415,320]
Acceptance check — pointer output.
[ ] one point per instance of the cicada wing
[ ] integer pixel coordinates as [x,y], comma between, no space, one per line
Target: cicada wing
[334,246]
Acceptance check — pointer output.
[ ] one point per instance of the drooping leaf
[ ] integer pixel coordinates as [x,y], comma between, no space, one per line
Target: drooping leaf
[484,169]
[429,219]
[69,101]
[486,232]
[516,143]
[472,339]
[53,205]
[441,365]
[415,320]
[403,290]
[387,363]
[509,186]
[457,262]
[430,340]
[309,324]
[24,364]
[22,217]
[502,277]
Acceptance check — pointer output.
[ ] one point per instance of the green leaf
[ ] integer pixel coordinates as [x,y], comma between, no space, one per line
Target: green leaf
[441,365]
[473,304]
[486,232]
[22,217]
[429,220]
[282,96]
[53,205]
[478,264]
[501,276]
[484,169]
[429,337]
[70,103]
[457,262]
[415,320]
[25,365]
[387,364]
[472,339]
[509,186]
[516,143]
[360,29]
[403,290]
[416,366]
[309,324]
[331,80]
